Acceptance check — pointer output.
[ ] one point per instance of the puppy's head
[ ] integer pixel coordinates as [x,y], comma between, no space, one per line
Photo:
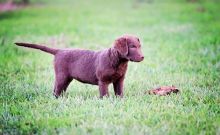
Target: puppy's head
[129,47]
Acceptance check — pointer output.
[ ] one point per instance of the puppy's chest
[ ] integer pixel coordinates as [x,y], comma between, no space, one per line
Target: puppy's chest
[120,70]
[116,73]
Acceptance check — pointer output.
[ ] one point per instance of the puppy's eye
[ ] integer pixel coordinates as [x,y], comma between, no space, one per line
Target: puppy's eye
[133,46]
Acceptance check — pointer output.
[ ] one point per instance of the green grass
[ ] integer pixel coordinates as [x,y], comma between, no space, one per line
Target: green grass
[181,44]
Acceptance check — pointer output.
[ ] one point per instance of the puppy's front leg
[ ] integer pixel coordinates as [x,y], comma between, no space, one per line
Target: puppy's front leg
[118,87]
[103,89]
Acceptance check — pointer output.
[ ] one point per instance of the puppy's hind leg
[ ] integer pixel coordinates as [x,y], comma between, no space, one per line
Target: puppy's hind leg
[61,84]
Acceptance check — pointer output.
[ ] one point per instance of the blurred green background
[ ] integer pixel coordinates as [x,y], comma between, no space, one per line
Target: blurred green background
[181,44]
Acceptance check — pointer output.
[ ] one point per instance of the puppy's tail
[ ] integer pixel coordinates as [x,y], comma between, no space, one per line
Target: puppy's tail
[40,47]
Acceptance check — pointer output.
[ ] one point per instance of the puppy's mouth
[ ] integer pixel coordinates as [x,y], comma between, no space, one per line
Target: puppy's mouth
[136,60]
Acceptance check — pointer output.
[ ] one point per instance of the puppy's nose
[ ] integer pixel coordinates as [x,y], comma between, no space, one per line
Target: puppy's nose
[142,57]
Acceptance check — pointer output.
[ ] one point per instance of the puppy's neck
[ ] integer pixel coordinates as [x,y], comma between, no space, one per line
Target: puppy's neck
[115,58]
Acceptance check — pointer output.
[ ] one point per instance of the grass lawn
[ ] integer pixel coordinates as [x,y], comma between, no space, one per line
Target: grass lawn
[181,44]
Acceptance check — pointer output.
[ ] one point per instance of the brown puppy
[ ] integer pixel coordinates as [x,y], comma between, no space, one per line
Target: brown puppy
[98,68]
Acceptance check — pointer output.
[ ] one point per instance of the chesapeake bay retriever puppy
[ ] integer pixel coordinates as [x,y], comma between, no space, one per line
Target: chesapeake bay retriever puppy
[98,68]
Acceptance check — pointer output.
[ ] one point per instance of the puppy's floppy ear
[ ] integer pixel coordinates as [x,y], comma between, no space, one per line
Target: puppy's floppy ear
[121,45]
